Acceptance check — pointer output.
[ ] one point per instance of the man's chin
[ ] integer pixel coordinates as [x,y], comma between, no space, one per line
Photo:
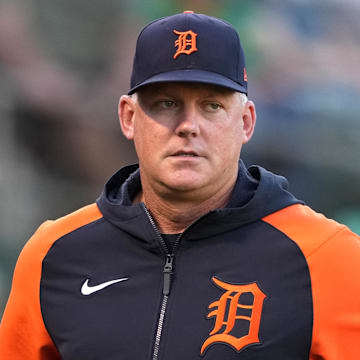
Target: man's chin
[185,189]
[185,184]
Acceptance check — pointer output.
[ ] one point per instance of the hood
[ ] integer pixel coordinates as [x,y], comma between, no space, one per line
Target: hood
[257,193]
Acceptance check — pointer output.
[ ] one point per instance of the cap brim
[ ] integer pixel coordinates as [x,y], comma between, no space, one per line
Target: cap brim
[192,75]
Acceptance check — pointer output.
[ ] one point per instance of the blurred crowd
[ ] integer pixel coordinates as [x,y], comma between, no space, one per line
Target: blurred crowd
[63,66]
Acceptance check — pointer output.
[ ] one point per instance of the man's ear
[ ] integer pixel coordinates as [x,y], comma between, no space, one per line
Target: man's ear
[249,120]
[126,113]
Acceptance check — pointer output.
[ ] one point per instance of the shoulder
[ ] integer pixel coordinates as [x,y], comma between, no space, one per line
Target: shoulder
[52,230]
[23,306]
[28,268]
[309,229]
[69,223]
[332,253]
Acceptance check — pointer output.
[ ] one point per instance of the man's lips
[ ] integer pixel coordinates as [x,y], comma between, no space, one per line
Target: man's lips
[189,153]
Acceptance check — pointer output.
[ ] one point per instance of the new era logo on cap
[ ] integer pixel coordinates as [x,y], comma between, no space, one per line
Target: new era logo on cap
[189,47]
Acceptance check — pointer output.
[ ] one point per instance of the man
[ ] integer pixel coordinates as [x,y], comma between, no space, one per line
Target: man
[188,255]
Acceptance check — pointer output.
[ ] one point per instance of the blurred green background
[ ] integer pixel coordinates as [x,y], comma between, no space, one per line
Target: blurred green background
[63,66]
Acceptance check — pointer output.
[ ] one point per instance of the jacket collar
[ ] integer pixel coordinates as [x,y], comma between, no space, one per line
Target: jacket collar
[257,193]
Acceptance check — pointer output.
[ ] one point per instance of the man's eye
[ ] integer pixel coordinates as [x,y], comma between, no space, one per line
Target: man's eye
[213,106]
[167,104]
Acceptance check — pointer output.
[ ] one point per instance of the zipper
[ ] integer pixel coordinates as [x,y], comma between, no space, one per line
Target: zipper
[168,272]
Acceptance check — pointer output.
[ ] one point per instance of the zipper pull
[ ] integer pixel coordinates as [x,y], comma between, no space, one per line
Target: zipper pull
[168,271]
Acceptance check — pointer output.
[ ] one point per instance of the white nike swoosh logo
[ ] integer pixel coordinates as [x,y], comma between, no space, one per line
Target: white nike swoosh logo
[88,290]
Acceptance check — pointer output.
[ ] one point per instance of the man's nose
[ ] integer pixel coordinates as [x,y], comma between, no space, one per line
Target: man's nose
[188,122]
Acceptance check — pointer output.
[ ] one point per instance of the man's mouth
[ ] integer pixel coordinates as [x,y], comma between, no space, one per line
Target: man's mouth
[185,153]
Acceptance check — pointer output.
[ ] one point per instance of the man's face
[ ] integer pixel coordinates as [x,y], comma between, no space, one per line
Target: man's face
[188,137]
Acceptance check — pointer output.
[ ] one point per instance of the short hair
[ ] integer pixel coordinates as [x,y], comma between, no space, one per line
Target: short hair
[244,98]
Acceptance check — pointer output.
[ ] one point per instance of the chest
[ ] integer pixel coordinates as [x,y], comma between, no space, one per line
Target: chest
[231,297]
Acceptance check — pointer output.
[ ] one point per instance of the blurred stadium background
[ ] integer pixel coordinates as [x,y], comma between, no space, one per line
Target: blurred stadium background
[64,64]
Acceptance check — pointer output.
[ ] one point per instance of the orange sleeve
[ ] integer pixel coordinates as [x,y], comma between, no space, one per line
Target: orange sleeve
[332,252]
[23,334]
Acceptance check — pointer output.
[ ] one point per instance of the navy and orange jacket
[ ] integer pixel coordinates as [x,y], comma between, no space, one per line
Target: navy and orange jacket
[269,279]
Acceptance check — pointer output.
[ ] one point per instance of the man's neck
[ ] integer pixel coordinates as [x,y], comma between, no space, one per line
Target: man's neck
[175,215]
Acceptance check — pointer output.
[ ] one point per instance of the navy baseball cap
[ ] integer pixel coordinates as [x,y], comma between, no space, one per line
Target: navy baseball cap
[189,47]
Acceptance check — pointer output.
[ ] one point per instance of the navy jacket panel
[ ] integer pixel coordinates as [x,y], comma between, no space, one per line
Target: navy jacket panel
[101,325]
[254,254]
